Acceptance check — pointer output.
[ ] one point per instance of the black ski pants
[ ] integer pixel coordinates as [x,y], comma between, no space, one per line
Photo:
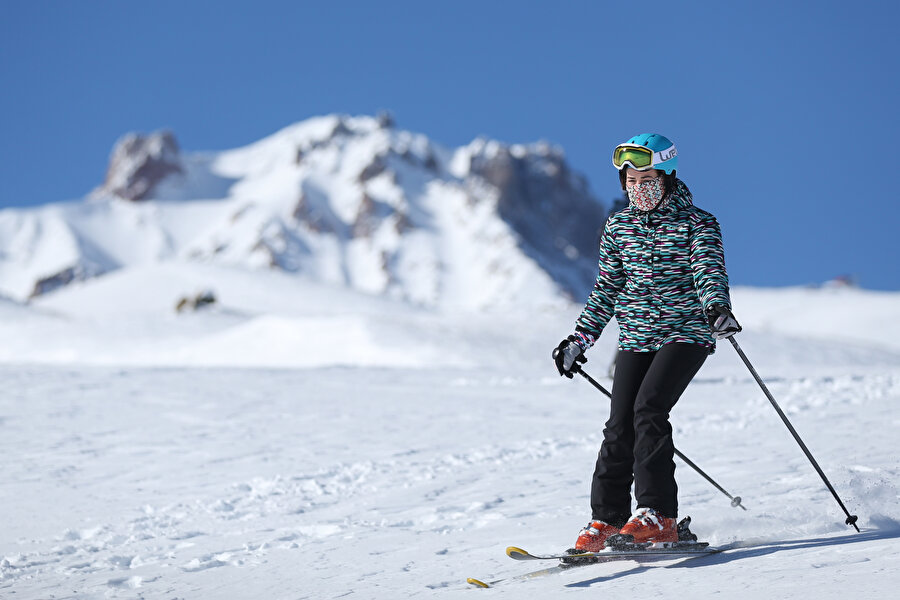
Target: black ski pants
[637,441]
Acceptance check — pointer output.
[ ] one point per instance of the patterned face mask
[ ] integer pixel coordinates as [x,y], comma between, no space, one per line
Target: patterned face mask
[646,195]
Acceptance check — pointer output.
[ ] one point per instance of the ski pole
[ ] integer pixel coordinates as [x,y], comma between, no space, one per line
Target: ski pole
[735,500]
[851,519]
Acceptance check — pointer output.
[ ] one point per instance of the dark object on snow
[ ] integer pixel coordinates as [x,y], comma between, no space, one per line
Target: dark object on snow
[204,298]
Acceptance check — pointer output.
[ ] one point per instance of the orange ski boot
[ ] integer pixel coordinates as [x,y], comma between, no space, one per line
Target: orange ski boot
[647,525]
[593,536]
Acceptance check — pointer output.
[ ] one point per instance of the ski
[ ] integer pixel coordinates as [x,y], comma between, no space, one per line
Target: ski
[531,575]
[625,551]
[685,550]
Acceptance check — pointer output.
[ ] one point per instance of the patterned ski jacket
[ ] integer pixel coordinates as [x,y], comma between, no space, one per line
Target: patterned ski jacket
[659,272]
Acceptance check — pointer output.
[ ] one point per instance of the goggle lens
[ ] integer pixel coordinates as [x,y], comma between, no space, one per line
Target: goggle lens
[639,157]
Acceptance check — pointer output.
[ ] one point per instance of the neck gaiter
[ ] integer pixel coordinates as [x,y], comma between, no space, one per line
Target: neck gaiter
[647,195]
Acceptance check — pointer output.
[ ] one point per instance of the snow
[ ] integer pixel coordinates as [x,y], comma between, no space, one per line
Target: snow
[302,440]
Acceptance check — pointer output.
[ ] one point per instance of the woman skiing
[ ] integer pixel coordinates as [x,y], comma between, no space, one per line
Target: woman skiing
[662,275]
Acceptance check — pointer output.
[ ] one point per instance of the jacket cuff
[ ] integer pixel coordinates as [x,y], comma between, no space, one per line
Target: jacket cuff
[584,338]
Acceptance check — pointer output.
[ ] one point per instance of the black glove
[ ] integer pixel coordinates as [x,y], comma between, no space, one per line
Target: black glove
[722,322]
[567,356]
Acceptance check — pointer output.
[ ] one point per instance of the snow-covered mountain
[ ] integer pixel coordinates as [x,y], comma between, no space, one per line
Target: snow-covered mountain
[351,201]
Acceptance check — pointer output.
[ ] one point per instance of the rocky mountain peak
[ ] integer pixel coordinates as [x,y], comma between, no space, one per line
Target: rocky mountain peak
[348,201]
[139,162]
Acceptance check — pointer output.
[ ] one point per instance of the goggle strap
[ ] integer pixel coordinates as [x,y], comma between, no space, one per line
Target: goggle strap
[664,155]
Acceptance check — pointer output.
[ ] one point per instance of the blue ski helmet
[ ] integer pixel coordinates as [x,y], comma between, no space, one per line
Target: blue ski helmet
[647,151]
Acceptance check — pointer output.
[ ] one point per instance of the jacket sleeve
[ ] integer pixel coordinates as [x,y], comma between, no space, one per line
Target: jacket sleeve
[708,263]
[600,306]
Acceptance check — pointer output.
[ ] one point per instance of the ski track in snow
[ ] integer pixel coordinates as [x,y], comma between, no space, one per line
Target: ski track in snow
[171,483]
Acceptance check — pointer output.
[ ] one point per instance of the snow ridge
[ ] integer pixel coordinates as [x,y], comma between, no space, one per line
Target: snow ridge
[349,201]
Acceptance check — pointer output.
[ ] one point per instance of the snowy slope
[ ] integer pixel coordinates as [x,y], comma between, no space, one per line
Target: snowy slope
[346,201]
[405,448]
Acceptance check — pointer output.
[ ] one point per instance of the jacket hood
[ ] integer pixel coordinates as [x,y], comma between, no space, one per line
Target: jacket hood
[679,198]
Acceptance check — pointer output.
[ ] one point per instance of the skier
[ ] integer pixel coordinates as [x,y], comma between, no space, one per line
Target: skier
[662,275]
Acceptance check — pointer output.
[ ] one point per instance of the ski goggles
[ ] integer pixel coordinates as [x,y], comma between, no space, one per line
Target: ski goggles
[640,157]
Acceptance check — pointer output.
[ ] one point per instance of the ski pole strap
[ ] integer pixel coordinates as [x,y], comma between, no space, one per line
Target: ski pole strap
[851,519]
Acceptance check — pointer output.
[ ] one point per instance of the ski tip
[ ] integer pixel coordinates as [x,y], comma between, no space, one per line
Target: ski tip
[477,582]
[517,553]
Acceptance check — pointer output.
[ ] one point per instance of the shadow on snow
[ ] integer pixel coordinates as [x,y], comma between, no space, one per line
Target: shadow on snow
[737,551]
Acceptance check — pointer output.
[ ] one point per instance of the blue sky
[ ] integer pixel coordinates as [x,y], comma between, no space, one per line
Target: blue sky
[781,111]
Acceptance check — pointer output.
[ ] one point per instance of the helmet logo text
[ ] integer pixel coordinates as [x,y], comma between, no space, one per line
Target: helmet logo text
[667,154]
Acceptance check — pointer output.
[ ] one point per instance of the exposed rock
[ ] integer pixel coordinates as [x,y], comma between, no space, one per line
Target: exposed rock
[341,128]
[373,169]
[139,162]
[551,209]
[431,162]
[316,216]
[241,213]
[196,302]
[55,281]
[366,221]
[279,246]
[402,223]
[385,119]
